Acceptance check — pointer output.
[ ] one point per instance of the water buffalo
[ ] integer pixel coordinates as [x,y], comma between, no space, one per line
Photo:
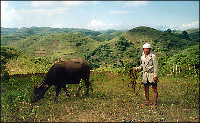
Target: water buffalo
[62,73]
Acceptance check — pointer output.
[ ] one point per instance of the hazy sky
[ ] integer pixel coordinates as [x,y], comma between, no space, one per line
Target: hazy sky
[101,15]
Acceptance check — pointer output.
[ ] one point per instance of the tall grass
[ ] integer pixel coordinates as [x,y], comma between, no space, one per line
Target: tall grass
[111,101]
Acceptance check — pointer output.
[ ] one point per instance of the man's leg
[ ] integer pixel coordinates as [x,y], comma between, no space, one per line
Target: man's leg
[146,89]
[154,87]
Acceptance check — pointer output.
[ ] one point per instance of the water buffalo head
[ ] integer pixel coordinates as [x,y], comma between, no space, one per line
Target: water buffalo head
[39,92]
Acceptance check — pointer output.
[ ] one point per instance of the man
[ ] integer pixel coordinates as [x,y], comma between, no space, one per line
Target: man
[149,66]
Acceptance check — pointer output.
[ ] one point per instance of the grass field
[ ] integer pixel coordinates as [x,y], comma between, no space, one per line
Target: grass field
[111,101]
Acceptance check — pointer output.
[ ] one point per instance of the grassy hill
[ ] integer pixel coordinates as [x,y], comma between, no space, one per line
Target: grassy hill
[120,50]
[15,62]
[128,46]
[60,45]
[11,35]
[111,100]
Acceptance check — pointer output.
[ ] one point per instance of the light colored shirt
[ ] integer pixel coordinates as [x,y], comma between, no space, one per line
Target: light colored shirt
[149,66]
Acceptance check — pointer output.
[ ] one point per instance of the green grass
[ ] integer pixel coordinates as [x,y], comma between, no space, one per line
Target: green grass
[111,101]
[24,64]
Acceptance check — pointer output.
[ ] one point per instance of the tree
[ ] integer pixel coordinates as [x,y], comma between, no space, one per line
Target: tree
[168,31]
[122,43]
[185,35]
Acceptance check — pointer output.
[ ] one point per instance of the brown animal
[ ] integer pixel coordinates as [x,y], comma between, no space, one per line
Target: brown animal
[62,73]
[133,76]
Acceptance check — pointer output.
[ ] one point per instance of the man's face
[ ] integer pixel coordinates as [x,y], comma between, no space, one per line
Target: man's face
[146,51]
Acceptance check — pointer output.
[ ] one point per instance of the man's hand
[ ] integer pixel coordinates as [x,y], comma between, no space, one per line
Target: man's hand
[155,79]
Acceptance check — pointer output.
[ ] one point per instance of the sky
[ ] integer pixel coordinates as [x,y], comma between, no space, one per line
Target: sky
[101,15]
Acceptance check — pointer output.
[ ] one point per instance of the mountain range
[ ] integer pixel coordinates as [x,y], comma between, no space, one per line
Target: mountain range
[112,48]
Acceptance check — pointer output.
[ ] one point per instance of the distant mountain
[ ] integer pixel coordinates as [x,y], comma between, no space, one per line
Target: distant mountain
[162,41]
[60,45]
[111,47]
[193,34]
[11,35]
[190,31]
[6,31]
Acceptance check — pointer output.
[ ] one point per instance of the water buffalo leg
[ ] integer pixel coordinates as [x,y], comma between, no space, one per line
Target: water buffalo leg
[78,90]
[57,92]
[65,89]
[134,83]
[87,84]
[91,88]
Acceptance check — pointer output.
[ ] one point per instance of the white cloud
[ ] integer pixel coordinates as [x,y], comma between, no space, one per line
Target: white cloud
[11,17]
[99,25]
[190,26]
[73,3]
[8,15]
[95,23]
[58,26]
[4,5]
[182,27]
[45,12]
[136,3]
[56,3]
[95,2]
[43,3]
[120,12]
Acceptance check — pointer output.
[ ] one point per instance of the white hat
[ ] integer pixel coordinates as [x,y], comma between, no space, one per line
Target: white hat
[146,45]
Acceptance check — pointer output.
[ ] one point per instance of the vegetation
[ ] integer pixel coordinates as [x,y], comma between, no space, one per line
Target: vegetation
[11,35]
[118,46]
[111,53]
[111,101]
[14,62]
[186,62]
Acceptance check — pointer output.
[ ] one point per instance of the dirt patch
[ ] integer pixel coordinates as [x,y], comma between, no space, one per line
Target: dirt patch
[9,42]
[55,44]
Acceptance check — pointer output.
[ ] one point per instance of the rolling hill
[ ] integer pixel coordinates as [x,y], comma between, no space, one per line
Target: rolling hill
[11,35]
[121,49]
[60,45]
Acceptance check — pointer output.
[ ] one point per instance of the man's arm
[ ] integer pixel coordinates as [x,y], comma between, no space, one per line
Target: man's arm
[140,67]
[155,67]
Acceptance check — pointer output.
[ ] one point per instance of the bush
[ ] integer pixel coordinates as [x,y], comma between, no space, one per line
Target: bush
[5,76]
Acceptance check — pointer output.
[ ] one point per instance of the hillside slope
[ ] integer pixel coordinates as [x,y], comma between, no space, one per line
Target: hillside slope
[11,35]
[15,62]
[61,45]
[125,49]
